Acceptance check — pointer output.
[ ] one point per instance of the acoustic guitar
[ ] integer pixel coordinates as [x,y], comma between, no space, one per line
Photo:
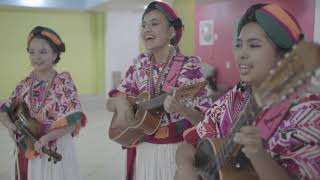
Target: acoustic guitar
[147,114]
[215,158]
[29,128]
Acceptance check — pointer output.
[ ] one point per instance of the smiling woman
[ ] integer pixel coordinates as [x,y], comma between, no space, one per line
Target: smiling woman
[255,54]
[159,70]
[51,100]
[281,139]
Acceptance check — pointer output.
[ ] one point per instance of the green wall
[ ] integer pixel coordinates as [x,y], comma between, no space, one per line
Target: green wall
[98,32]
[186,11]
[82,32]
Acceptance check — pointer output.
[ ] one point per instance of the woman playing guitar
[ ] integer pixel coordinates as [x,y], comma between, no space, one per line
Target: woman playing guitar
[50,102]
[161,69]
[283,142]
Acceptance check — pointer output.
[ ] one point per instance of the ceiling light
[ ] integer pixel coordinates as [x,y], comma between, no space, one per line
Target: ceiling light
[33,3]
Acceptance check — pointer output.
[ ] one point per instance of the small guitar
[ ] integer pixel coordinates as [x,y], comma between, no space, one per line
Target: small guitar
[216,158]
[29,128]
[147,114]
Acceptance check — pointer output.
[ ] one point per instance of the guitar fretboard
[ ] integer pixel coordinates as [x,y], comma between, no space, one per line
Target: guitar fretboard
[246,117]
[154,102]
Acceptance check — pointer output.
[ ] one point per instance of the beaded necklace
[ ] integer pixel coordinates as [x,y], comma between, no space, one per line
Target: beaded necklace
[36,106]
[155,88]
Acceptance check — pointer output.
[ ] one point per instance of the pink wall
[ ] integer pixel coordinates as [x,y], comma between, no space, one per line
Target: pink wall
[225,14]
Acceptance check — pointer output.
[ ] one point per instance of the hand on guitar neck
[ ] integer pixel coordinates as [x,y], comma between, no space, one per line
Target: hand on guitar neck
[172,105]
[135,117]
[285,84]
[249,137]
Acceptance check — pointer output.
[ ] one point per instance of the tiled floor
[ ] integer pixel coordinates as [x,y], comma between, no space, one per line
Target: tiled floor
[99,157]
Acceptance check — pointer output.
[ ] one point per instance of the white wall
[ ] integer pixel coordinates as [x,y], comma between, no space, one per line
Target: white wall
[317,22]
[122,41]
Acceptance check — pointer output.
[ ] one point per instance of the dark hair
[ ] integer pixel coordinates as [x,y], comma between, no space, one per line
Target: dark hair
[175,22]
[249,15]
[212,82]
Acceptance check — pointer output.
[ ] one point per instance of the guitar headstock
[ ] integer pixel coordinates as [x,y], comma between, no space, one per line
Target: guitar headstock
[292,72]
[189,91]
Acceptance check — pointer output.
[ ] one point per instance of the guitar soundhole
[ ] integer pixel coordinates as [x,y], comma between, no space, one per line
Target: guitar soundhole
[204,162]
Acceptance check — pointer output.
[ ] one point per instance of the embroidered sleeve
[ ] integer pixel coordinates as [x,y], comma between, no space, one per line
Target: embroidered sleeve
[209,126]
[295,144]
[217,121]
[15,95]
[128,84]
[192,72]
[4,106]
[205,128]
[70,111]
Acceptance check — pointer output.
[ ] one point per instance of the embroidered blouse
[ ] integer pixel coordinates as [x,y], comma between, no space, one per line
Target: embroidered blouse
[295,142]
[54,104]
[136,81]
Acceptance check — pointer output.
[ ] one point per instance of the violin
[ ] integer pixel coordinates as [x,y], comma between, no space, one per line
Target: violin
[29,128]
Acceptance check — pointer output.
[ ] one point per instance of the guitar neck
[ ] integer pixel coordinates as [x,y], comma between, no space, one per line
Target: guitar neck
[247,117]
[155,102]
[182,93]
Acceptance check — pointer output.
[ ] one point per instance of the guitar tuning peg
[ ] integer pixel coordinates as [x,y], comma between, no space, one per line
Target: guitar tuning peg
[49,159]
[54,162]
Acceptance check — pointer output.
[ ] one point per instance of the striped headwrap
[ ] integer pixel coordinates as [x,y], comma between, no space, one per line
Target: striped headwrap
[281,27]
[51,37]
[171,15]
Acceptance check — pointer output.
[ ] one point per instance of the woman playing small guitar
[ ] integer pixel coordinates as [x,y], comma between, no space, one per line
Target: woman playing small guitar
[160,70]
[283,142]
